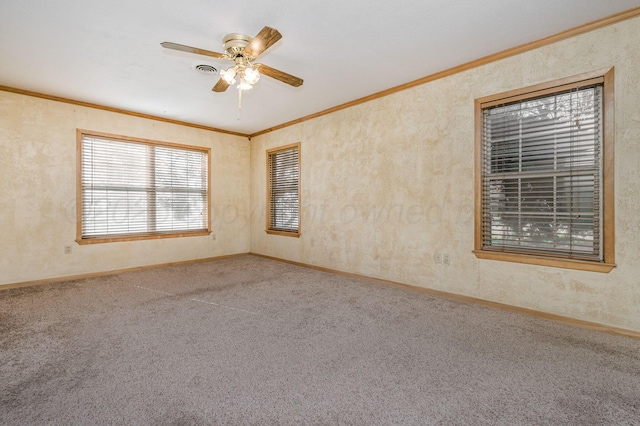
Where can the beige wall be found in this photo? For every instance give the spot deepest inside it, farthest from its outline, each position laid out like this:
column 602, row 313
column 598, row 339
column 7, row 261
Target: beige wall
column 38, row 184
column 388, row 183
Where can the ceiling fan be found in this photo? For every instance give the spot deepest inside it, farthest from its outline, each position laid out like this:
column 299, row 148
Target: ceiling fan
column 242, row 50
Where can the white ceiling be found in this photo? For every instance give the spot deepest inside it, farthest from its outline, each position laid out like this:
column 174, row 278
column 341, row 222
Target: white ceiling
column 109, row 53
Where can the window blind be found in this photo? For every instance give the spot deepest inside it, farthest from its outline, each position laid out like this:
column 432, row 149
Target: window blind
column 136, row 189
column 283, row 177
column 542, row 175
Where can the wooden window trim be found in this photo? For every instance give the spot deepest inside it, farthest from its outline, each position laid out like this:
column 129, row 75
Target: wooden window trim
column 160, row 235
column 608, row 213
column 268, row 203
column 284, row 234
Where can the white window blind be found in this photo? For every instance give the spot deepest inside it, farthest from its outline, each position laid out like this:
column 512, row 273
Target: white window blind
column 542, row 175
column 283, row 181
column 132, row 189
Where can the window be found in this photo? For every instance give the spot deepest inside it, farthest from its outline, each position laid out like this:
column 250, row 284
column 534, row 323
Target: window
column 134, row 189
column 283, row 193
column 544, row 174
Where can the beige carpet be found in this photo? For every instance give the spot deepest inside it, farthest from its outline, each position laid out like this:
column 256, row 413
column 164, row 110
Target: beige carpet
column 249, row 340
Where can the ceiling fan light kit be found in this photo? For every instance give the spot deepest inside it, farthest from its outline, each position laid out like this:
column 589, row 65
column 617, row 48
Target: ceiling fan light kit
column 242, row 50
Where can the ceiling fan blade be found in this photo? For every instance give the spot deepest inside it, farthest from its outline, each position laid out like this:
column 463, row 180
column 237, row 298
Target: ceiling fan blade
column 266, row 38
column 279, row 75
column 220, row 86
column 183, row 48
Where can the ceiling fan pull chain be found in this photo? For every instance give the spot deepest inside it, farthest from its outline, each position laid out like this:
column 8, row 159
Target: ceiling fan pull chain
column 239, row 98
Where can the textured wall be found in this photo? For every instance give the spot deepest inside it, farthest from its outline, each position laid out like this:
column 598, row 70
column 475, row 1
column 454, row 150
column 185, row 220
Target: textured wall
column 388, row 183
column 38, row 190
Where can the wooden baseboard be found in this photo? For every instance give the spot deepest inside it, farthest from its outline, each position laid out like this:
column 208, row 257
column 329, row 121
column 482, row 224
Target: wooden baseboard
column 472, row 300
column 113, row 272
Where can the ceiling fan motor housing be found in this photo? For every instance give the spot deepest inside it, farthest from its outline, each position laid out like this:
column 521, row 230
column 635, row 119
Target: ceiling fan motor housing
column 235, row 43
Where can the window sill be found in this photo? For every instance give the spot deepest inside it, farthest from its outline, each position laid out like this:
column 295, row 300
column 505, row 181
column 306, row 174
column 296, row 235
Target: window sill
column 581, row 265
column 101, row 240
column 284, row 233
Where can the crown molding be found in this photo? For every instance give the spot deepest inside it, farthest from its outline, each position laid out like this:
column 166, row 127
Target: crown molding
column 582, row 29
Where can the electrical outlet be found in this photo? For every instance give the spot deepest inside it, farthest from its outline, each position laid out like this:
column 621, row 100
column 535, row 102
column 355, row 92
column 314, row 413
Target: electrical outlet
column 67, row 249
column 445, row 258
column 437, row 257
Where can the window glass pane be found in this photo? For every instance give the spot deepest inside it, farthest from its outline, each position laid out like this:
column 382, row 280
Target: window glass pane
column 542, row 174
column 283, row 177
column 551, row 214
column 131, row 188
column 551, row 133
column 175, row 211
column 180, row 200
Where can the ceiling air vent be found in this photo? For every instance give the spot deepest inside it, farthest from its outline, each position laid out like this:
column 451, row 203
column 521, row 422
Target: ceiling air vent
column 204, row 68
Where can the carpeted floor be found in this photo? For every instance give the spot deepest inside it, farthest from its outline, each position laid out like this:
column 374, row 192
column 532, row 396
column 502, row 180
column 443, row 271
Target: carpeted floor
column 248, row 340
